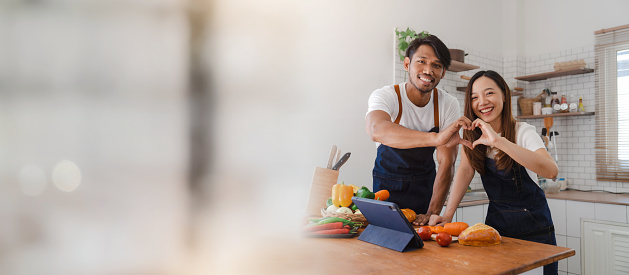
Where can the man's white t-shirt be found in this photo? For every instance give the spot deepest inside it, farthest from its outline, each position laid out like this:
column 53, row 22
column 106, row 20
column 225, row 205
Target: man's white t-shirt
column 527, row 137
column 413, row 117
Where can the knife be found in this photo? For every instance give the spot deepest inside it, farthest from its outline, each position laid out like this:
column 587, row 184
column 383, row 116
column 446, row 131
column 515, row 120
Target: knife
column 338, row 155
column 331, row 158
column 342, row 161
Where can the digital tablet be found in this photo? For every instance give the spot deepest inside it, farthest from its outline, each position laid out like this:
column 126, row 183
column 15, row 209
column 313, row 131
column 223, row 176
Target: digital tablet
column 388, row 227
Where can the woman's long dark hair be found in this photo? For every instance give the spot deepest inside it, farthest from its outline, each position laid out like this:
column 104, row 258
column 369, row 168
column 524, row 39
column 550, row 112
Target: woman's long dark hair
column 479, row 153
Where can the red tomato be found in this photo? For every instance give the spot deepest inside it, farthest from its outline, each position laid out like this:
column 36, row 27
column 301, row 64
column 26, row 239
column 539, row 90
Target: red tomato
column 444, row 239
column 424, row 233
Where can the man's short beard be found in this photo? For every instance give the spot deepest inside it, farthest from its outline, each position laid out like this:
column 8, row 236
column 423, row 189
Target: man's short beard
column 417, row 88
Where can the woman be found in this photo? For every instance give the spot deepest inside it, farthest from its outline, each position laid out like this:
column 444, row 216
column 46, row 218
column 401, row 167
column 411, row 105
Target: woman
column 508, row 163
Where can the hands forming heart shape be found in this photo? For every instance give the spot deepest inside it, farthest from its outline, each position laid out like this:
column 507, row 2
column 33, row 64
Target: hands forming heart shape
column 489, row 136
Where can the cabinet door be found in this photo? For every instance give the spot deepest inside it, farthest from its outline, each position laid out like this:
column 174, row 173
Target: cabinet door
column 558, row 213
column 605, row 247
column 471, row 214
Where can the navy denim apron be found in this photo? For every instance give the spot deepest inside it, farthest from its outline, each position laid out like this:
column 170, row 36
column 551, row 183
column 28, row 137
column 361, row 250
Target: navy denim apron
column 408, row 174
column 518, row 207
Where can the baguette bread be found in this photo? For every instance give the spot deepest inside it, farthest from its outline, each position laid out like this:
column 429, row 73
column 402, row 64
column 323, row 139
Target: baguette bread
column 480, row 235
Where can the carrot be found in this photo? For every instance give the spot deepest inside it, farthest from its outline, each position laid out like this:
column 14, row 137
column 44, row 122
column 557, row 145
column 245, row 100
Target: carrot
column 327, row 226
column 332, row 231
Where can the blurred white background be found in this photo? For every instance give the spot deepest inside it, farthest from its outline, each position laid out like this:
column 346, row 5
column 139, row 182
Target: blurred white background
column 180, row 137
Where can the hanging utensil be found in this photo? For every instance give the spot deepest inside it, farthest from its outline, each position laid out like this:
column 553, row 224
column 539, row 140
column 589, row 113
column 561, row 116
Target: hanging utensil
column 331, row 158
column 548, row 123
column 553, row 137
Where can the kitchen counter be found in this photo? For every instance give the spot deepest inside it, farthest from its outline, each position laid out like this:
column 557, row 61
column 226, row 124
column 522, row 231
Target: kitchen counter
column 511, row 257
column 590, row 196
column 574, row 195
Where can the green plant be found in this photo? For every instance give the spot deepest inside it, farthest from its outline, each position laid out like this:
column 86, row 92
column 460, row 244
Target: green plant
column 404, row 38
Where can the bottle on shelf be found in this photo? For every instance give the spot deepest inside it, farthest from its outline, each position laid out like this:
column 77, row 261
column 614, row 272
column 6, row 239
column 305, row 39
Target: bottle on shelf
column 572, row 103
column 581, row 108
column 564, row 104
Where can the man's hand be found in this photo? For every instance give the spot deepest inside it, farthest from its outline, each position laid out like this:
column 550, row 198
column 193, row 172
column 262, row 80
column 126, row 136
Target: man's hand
column 455, row 139
column 450, row 135
column 422, row 219
column 438, row 220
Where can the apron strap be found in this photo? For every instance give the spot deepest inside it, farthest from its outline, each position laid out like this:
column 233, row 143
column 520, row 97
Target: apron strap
column 435, row 95
column 399, row 101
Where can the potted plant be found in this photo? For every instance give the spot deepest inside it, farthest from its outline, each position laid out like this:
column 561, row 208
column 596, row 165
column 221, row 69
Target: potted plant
column 404, row 38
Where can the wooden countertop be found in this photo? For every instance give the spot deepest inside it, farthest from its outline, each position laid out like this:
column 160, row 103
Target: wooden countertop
column 573, row 195
column 511, row 257
column 590, row 196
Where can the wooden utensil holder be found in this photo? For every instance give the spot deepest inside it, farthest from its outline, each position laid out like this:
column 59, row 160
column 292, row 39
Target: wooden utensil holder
column 320, row 190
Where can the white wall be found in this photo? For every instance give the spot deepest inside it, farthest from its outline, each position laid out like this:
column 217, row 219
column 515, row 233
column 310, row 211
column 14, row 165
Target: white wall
column 552, row 26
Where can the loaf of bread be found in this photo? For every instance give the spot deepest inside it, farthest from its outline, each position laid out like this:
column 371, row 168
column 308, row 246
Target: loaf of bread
column 480, row 235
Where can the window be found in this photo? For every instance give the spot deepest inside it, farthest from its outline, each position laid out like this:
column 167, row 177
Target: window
column 612, row 104
column 622, row 73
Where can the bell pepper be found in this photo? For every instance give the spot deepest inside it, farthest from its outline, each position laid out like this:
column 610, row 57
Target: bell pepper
column 342, row 195
column 364, row 192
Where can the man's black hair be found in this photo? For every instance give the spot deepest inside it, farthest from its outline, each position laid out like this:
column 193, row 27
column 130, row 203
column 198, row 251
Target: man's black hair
column 441, row 50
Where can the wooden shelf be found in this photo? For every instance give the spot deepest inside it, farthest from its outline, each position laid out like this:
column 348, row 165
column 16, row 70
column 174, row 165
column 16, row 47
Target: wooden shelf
column 542, row 76
column 557, row 115
column 457, row 66
column 513, row 93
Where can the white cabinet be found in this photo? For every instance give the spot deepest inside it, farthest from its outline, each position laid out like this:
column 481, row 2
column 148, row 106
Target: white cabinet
column 558, row 213
column 568, row 217
column 574, row 262
column 575, row 211
column 610, row 212
column 471, row 214
column 605, row 247
column 562, row 241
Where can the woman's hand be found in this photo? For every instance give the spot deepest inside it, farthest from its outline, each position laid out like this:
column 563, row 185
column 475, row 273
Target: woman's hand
column 438, row 220
column 489, row 136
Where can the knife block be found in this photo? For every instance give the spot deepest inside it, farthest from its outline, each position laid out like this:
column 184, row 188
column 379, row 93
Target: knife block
column 320, row 190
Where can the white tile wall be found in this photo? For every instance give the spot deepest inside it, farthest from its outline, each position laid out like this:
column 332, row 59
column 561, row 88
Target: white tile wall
column 575, row 210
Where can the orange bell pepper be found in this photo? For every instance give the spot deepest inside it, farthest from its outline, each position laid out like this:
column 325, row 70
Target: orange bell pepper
column 342, row 195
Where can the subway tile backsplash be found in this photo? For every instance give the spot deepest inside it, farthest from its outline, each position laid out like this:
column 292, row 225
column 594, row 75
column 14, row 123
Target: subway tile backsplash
column 576, row 141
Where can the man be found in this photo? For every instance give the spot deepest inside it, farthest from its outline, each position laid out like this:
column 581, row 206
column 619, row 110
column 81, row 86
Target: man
column 407, row 122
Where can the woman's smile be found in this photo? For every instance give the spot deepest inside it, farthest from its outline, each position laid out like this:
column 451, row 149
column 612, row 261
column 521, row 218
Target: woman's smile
column 486, row 111
column 487, row 101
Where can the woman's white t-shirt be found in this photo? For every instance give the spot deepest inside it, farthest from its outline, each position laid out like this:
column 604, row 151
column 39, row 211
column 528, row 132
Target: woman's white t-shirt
column 527, row 137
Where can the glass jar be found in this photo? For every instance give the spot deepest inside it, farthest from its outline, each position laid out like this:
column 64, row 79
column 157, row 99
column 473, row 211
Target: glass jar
column 564, row 104
column 555, row 103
